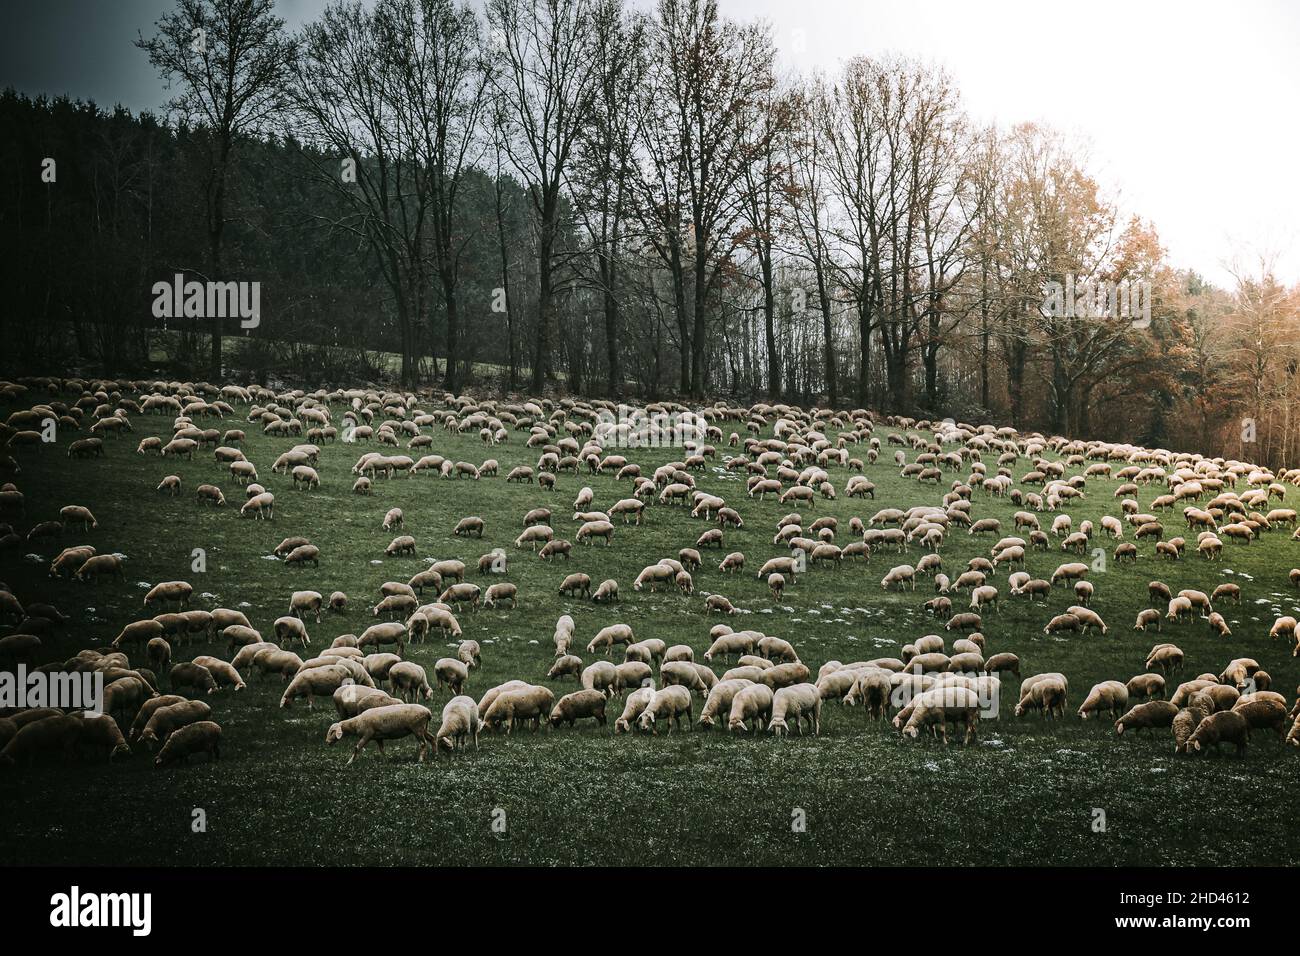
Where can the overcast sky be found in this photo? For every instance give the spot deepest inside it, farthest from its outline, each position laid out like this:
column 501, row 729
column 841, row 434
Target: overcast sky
column 1188, row 110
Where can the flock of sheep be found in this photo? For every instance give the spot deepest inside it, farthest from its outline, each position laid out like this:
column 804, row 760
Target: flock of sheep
column 940, row 683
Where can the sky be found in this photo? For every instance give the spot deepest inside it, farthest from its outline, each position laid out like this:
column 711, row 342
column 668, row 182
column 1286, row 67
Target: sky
column 1186, row 111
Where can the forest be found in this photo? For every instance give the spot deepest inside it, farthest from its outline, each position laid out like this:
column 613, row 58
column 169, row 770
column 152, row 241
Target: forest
column 588, row 197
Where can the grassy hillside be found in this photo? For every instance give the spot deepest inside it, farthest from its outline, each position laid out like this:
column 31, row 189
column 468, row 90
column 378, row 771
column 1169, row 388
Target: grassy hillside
column 1027, row 793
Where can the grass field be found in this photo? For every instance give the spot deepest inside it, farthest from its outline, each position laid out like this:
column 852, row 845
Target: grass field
column 1026, row 794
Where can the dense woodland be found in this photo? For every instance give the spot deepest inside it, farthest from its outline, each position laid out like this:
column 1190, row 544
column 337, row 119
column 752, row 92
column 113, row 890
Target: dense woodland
column 586, row 197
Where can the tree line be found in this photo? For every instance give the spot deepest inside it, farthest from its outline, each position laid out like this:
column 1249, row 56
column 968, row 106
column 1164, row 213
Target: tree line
column 578, row 195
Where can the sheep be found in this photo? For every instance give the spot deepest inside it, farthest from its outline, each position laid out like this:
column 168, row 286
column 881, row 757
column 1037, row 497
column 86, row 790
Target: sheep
column 900, row 575
column 1229, row 726
column 315, row 682
column 1165, row 658
column 796, row 701
column 1155, row 713
column 1063, row 622
column 1185, row 723
column 607, row 637
column 1045, row 692
column 1262, row 712
column 633, row 707
column 303, row 603
column 408, row 681
column 683, row 673
column 167, row 591
column 402, row 544
column 353, row 699
column 1147, row 686
column 783, row 675
column 936, row 708
column 602, row 676
column 582, row 703
column 223, row 673
column 1108, row 695
column 204, row 736
column 147, row 709
column 725, row 645
column 460, row 723
column 470, row 653
column 391, row 722
column 667, row 706
column 192, row 677
column 166, row 720
column 452, row 673
column 872, row 689
column 517, row 705
column 379, row 635
column 606, row 592
column 290, row 628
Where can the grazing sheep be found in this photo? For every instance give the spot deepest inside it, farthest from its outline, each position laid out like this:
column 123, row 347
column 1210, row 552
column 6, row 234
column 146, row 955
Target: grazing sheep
column 203, row 736
column 460, row 723
column 1229, row 726
column 391, row 722
column 667, row 706
column 634, row 706
column 1155, row 713
column 514, row 706
column 796, row 701
column 582, row 703
column 1108, row 695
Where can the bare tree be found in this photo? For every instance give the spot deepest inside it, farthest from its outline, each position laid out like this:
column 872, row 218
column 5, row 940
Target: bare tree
column 547, row 80
column 230, row 59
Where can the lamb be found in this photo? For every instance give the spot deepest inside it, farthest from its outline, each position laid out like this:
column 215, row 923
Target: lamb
column 667, row 706
column 391, row 722
column 1108, row 695
column 1155, row 713
column 796, row 701
column 460, row 723
column 409, row 681
column 635, row 705
column 575, row 706
column 606, row 592
column 203, row 736
column 1229, row 726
